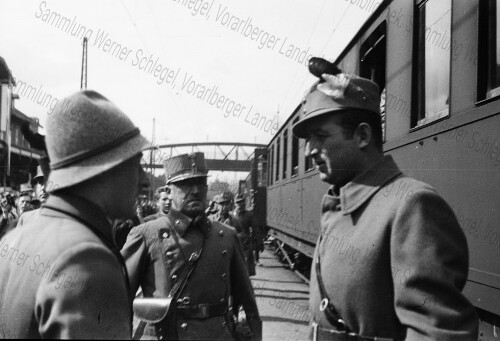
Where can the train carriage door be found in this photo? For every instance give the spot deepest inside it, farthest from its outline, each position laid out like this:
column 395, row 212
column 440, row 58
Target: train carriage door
column 373, row 64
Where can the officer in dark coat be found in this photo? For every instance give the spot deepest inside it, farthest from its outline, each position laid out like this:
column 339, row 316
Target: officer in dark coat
column 62, row 276
column 158, row 253
column 387, row 265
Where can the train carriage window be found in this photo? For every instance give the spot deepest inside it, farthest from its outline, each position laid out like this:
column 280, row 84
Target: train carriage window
column 285, row 153
column 278, row 160
column 373, row 62
column 489, row 49
column 295, row 152
column 433, row 61
column 262, row 170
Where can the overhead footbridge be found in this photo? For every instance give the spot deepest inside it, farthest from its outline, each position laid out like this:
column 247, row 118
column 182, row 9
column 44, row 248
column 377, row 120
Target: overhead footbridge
column 219, row 156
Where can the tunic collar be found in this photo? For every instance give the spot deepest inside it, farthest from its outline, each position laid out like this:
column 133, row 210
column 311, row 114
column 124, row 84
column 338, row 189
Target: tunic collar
column 63, row 204
column 181, row 222
column 356, row 192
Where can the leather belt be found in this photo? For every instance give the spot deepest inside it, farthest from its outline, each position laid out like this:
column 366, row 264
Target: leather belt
column 319, row 334
column 202, row 311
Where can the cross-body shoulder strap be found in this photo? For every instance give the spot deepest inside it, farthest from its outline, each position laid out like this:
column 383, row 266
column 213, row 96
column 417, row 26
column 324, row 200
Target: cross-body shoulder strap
column 188, row 270
column 326, row 305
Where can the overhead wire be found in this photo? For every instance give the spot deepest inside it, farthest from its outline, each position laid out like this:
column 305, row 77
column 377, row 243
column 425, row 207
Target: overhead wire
column 151, row 12
column 302, row 84
column 307, row 44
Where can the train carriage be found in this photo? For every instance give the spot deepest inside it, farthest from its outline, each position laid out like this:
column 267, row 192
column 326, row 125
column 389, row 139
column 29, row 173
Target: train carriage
column 437, row 63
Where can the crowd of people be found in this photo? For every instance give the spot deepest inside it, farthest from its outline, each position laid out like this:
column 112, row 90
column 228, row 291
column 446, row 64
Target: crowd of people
column 14, row 203
column 95, row 259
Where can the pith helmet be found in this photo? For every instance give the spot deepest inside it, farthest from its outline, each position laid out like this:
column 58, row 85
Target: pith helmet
column 338, row 92
column 88, row 135
column 185, row 166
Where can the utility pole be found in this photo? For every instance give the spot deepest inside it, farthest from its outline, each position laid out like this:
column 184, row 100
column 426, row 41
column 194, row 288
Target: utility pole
column 83, row 80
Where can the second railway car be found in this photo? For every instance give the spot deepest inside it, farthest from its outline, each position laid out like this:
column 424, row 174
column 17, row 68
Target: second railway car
column 437, row 63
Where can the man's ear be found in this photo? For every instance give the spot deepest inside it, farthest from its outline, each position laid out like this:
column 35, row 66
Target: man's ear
column 363, row 135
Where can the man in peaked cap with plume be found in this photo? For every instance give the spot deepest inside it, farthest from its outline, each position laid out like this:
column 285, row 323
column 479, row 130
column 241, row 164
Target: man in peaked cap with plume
column 197, row 262
column 62, row 276
column 386, row 266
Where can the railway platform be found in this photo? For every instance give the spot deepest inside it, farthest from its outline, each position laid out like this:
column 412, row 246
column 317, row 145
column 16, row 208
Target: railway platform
column 282, row 298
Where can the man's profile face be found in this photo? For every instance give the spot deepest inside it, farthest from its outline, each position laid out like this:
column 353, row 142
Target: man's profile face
column 130, row 173
column 164, row 202
column 40, row 193
column 336, row 157
column 189, row 196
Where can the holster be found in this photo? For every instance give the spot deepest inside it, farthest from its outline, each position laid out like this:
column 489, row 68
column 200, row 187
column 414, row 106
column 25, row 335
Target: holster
column 159, row 312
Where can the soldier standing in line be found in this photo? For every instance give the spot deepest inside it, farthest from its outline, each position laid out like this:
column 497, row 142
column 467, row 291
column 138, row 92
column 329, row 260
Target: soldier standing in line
column 62, row 276
column 223, row 214
column 246, row 226
column 196, row 262
column 409, row 264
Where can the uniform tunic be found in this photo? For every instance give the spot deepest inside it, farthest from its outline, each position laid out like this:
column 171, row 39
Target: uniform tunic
column 155, row 262
column 244, row 220
column 59, row 280
column 393, row 260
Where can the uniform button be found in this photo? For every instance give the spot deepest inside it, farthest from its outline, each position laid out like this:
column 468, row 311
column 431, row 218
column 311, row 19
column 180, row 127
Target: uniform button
column 174, row 278
column 184, row 326
column 224, row 276
column 194, row 256
column 165, row 235
column 224, row 252
column 221, row 233
column 223, row 324
column 169, row 254
column 222, row 300
column 177, row 222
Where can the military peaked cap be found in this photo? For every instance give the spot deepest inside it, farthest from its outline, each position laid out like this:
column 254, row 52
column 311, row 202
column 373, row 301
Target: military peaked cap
column 185, row 166
column 338, row 92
